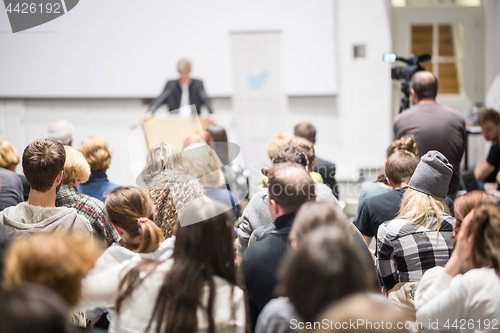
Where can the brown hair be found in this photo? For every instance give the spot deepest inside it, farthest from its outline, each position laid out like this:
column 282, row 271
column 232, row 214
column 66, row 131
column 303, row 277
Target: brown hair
column 278, row 141
column 308, row 148
column 467, row 202
column 202, row 137
column 8, row 155
column 405, row 143
column 171, row 191
column 485, row 226
column 290, row 186
column 97, row 153
column 75, row 167
column 488, row 115
column 425, row 84
column 306, row 131
column 400, row 166
column 131, row 209
column 312, row 215
column 334, row 262
column 371, row 308
column 55, row 260
column 202, row 251
column 43, row 159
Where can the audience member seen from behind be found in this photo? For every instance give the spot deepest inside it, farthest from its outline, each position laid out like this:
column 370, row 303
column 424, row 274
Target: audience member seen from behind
column 174, row 294
column 487, row 168
column 371, row 313
column 171, row 192
column 474, row 295
column 278, row 313
column 434, row 126
column 131, row 212
column 43, row 165
column 98, row 155
column 381, row 185
column 12, row 191
column 33, row 308
column 325, row 168
column 76, row 171
column 202, row 162
column 161, row 156
column 55, row 260
column 326, row 267
column 256, row 215
column 308, row 148
column 467, row 202
column 399, row 168
column 235, row 172
column 421, row 236
column 261, row 260
column 62, row 131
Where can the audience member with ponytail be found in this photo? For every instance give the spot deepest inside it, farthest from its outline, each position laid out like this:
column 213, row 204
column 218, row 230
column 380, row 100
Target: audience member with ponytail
column 471, row 298
column 131, row 211
column 195, row 290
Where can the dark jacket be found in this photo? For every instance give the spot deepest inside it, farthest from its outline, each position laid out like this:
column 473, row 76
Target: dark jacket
column 260, row 265
column 171, row 96
column 327, row 171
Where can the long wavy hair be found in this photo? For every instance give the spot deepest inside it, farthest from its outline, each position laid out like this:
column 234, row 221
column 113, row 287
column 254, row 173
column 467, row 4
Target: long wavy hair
column 420, row 208
column 161, row 156
column 171, row 191
column 202, row 251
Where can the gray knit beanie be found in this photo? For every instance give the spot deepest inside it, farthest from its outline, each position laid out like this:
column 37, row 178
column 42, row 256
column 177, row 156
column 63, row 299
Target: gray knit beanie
column 432, row 175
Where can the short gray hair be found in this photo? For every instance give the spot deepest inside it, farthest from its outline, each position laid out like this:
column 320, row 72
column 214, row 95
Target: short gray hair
column 62, row 131
column 184, row 63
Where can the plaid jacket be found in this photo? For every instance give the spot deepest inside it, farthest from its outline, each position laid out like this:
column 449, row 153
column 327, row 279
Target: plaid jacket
column 406, row 251
column 93, row 209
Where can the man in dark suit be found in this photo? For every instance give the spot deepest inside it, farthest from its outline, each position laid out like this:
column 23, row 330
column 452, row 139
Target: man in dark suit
column 182, row 92
column 325, row 168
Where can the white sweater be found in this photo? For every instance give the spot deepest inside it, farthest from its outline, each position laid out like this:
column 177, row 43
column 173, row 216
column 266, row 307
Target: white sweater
column 137, row 310
column 100, row 287
column 472, row 299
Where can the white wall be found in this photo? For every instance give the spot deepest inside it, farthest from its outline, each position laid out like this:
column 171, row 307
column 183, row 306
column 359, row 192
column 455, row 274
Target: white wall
column 492, row 53
column 128, row 48
column 353, row 129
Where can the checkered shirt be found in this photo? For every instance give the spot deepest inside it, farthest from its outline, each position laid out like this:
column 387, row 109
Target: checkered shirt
column 406, row 251
column 93, row 209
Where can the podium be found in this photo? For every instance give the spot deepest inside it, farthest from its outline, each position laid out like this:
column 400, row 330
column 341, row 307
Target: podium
column 172, row 129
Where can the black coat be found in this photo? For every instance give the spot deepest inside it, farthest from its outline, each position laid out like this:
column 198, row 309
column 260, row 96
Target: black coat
column 172, row 93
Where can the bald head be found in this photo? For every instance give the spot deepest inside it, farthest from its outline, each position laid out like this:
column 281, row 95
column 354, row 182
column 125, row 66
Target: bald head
column 425, row 86
column 290, row 186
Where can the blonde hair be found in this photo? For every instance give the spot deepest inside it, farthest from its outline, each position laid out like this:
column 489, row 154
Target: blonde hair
column 278, row 141
column 308, row 148
column 419, row 208
column 75, row 167
column 55, row 260
column 161, row 156
column 202, row 162
column 97, row 153
column 8, row 155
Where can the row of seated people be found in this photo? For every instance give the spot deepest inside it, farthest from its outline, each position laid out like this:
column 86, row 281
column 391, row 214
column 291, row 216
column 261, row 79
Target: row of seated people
column 172, row 264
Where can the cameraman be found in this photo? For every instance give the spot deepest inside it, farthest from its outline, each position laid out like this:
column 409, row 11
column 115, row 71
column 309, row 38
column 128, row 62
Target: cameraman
column 434, row 126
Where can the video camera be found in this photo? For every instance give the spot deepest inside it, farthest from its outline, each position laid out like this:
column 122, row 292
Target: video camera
column 405, row 73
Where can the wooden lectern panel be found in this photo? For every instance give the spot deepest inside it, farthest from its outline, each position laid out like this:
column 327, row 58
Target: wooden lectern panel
column 172, row 129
